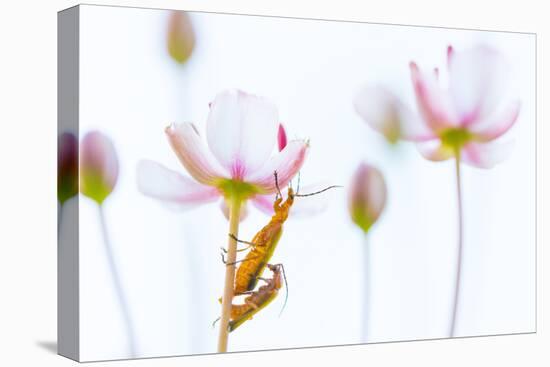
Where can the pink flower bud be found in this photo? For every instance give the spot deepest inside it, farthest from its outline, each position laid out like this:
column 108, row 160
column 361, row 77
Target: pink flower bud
column 98, row 166
column 67, row 167
column 181, row 37
column 367, row 196
column 281, row 137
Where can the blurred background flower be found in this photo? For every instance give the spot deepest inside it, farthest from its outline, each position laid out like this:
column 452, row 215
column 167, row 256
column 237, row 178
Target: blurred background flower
column 98, row 177
column 367, row 196
column 465, row 119
column 461, row 119
column 98, row 166
column 472, row 112
column 366, row 202
column 180, row 40
column 383, row 111
column 67, row 167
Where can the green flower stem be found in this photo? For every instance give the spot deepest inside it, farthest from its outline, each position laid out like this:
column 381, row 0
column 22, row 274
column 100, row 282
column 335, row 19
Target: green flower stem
column 459, row 248
column 123, row 303
column 59, row 217
column 227, row 300
column 366, row 264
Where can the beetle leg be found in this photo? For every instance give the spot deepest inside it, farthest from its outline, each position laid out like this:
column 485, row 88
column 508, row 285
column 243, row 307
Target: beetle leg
column 238, row 250
column 251, row 304
column 235, row 262
column 241, row 241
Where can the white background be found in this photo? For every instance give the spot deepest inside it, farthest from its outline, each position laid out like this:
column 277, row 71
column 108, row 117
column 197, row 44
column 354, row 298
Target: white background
column 28, row 157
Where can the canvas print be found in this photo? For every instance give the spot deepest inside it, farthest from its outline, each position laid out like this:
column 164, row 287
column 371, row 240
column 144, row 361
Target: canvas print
column 232, row 183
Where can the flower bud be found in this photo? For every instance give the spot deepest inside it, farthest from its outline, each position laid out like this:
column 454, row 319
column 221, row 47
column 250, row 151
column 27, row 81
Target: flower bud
column 98, row 166
column 281, row 137
column 67, row 167
column 367, row 196
column 181, row 37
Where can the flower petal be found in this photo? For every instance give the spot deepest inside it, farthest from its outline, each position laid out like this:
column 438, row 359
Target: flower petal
column 486, row 155
column 286, row 163
column 225, row 210
column 161, row 183
column 303, row 206
column 387, row 114
column 433, row 102
column 264, row 203
column 281, row 138
column 192, row 153
column 477, row 82
column 498, row 124
column 435, row 151
column 242, row 131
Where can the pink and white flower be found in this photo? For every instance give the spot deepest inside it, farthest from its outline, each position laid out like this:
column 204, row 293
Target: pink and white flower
column 241, row 132
column 462, row 118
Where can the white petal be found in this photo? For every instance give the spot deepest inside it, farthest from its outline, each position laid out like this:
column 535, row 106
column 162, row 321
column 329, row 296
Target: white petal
column 498, row 123
column 241, row 131
column 477, row 82
column 486, row 155
column 264, row 203
column 286, row 163
column 192, row 153
column 161, row 183
column 387, row 114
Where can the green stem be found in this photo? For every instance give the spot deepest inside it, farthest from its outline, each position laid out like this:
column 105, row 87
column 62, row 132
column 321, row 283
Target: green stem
column 366, row 288
column 117, row 282
column 459, row 249
column 227, row 300
column 59, row 217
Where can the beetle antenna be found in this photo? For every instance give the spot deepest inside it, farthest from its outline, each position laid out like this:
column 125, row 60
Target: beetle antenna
column 286, row 289
column 320, row 191
column 215, row 321
column 277, row 184
column 298, row 186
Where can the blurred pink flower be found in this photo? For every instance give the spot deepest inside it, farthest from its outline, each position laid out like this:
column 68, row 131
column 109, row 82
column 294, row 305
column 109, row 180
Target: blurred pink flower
column 241, row 132
column 98, row 166
column 180, row 40
column 67, row 166
column 366, row 196
column 462, row 119
column 386, row 113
